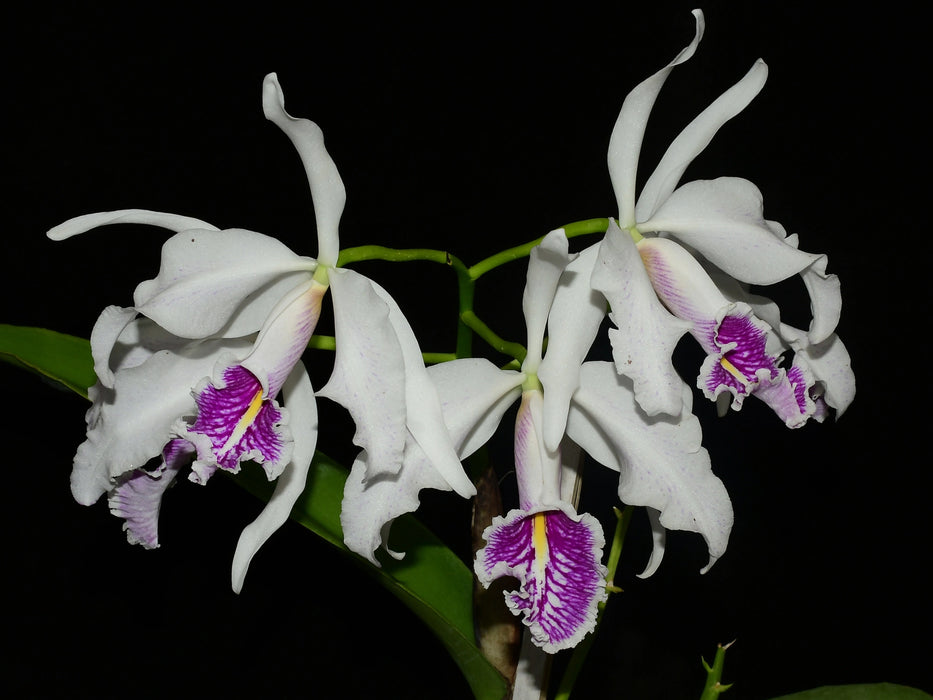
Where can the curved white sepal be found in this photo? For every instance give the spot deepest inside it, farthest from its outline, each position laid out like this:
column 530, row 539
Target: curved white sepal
column 694, row 138
column 723, row 220
column 629, row 130
column 213, row 281
column 474, row 394
column 545, row 265
column 327, row 189
column 658, row 543
column 660, row 460
column 368, row 378
column 423, row 414
column 83, row 224
column 573, row 322
column 299, row 398
column 828, row 362
column 107, row 329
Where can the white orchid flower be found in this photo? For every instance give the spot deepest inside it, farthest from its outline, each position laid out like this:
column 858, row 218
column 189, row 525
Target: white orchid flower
column 190, row 373
column 552, row 550
column 652, row 269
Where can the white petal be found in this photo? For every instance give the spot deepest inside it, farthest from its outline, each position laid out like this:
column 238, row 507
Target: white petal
column 474, row 394
column 658, row 543
column 424, row 418
column 722, row 219
column 646, row 332
column 538, row 469
column 299, row 398
column 211, row 281
column 629, row 130
column 82, row 224
column 368, row 378
column 825, row 300
column 661, row 461
column 107, row 329
column 134, row 420
column 369, row 506
column 327, row 189
column 829, row 363
column 285, row 335
column 573, row 322
column 695, row 137
column 545, row 265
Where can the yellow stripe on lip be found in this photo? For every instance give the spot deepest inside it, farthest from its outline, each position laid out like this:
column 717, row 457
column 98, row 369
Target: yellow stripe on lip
column 540, row 544
column 733, row 370
column 243, row 424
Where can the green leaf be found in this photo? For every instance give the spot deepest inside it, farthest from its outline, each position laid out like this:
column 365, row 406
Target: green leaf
column 431, row 580
column 871, row 691
column 62, row 358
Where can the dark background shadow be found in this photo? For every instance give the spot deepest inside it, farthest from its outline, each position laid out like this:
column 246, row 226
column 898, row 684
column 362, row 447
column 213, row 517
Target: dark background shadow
column 475, row 130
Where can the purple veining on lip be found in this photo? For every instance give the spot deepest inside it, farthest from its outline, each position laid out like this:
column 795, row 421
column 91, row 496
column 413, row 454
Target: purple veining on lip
column 747, row 354
column 744, row 339
column 224, row 410
column 137, row 496
column 560, row 584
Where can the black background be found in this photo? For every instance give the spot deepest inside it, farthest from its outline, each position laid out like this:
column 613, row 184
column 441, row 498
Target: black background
column 472, row 129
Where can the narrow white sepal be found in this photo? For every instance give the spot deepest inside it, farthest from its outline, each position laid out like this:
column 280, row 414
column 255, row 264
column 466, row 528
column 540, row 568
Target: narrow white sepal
column 573, row 322
column 83, row 224
column 299, row 398
column 629, row 130
column 545, row 265
column 327, row 189
column 695, row 137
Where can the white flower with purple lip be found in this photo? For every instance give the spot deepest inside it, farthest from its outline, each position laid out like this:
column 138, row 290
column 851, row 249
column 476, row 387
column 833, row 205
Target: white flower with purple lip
column 689, row 247
column 190, row 373
column 553, row 551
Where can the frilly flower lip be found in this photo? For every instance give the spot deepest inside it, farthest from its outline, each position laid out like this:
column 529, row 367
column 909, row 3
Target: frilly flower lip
column 720, row 224
column 552, row 550
column 190, row 374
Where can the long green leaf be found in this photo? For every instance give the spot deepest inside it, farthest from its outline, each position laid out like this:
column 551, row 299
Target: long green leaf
column 62, row 358
column 431, row 580
column 870, row 691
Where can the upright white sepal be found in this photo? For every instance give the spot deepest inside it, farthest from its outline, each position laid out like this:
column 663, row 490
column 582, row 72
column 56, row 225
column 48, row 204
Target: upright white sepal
column 327, row 190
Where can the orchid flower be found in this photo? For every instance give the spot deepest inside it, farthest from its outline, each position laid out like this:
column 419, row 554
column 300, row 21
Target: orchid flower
column 552, row 550
column 681, row 252
column 191, row 372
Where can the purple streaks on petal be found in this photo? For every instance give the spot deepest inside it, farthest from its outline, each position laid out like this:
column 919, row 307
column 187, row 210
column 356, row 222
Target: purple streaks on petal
column 137, row 496
column 559, row 571
column 748, row 354
column 238, row 422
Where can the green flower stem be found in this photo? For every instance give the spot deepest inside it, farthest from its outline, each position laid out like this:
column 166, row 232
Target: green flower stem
column 578, row 658
column 322, row 342
column 714, row 686
column 516, row 350
column 468, row 323
column 578, row 228
column 328, row 342
column 464, row 282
